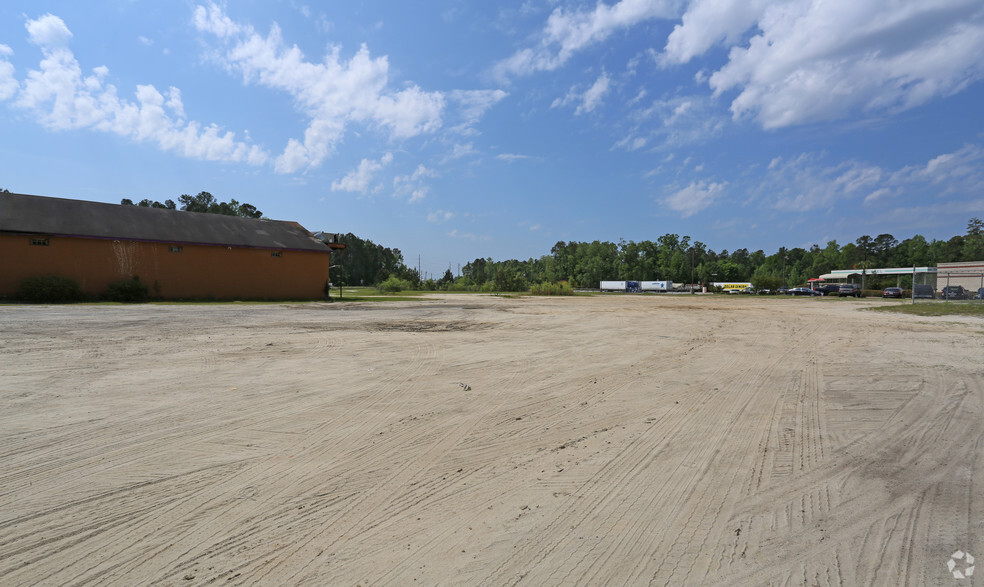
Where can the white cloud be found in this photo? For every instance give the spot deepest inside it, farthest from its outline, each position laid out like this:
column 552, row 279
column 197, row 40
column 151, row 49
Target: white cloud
column 804, row 183
column 439, row 216
column 567, row 32
column 587, row 100
column 61, row 97
column 359, row 179
column 8, row 83
column 592, row 98
column 458, row 151
column 694, row 198
column 709, row 22
column 631, row 143
column 49, row 32
column 960, row 172
column 510, row 157
column 333, row 93
column 412, row 186
column 816, row 61
column 680, row 120
column 473, row 104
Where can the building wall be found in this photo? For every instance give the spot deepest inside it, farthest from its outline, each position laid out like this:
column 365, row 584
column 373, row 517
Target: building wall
column 197, row 271
column 969, row 274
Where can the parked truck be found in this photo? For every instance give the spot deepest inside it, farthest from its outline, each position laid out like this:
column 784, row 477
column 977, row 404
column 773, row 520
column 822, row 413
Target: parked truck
column 632, row 286
column 655, row 285
column 619, row 286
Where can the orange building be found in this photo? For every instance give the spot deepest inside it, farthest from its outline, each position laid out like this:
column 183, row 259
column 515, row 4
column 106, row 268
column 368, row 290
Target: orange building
column 178, row 255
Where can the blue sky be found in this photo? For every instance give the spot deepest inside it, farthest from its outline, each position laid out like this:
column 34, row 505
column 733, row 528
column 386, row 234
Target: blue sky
column 454, row 130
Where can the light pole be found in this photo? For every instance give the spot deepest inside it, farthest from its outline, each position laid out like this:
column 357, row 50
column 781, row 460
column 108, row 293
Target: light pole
column 339, row 283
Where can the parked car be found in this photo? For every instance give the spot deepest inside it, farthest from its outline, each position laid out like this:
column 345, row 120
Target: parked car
column 828, row 289
column 980, row 294
column 923, row 291
column 849, row 289
column 802, row 291
column 892, row 292
column 783, row 290
column 953, row 292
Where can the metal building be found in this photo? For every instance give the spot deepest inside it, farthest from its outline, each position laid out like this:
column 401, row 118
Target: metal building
column 969, row 274
column 179, row 255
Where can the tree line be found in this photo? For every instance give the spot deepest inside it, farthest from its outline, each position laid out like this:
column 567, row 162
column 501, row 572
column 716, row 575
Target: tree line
column 200, row 202
column 671, row 257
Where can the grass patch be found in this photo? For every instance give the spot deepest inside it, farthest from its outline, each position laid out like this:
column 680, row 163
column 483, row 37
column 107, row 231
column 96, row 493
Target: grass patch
column 936, row 309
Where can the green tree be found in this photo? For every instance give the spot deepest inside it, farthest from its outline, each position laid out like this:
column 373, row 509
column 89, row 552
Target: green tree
column 973, row 249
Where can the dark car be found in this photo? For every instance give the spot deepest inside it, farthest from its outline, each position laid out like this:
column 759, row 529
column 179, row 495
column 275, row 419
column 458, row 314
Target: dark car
column 849, row 289
column 923, row 291
column 802, row 291
column 980, row 294
column 953, row 292
column 828, row 289
column 892, row 292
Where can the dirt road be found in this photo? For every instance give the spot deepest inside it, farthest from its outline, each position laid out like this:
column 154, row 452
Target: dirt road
column 480, row 440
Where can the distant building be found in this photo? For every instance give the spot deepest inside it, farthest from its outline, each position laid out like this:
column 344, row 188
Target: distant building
column 969, row 274
column 179, row 255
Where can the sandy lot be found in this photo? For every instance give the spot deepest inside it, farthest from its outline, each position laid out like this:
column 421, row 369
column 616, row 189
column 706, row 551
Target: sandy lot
column 481, row 440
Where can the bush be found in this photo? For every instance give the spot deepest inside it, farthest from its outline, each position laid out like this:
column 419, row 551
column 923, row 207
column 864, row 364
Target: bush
column 50, row 289
column 561, row 288
column 393, row 284
column 128, row 290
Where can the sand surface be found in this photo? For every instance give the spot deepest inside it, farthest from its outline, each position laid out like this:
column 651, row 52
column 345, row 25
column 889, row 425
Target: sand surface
column 478, row 440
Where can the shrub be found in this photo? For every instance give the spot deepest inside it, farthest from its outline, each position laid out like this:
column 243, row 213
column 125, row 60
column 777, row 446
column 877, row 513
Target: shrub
column 50, row 289
column 393, row 284
column 561, row 288
column 128, row 290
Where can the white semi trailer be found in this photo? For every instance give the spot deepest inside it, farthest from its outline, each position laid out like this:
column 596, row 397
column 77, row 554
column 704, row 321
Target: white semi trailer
column 655, row 285
column 636, row 285
column 619, row 286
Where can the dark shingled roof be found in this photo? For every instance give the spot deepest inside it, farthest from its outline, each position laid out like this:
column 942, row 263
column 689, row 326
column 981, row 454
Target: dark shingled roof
column 78, row 218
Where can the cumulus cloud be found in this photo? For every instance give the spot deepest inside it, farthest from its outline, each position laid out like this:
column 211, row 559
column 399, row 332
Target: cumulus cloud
column 61, row 97
column 49, row 32
column 333, row 92
column 694, row 198
column 570, row 31
column 360, row 178
column 817, row 61
column 790, row 62
column 8, row 83
column 709, row 22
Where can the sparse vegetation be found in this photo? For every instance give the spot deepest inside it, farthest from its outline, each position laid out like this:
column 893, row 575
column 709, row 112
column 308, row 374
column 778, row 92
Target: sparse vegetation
column 936, row 309
column 560, row 288
column 394, row 284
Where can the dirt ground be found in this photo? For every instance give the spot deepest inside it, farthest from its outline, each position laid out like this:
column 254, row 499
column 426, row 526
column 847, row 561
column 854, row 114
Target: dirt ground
column 466, row 439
